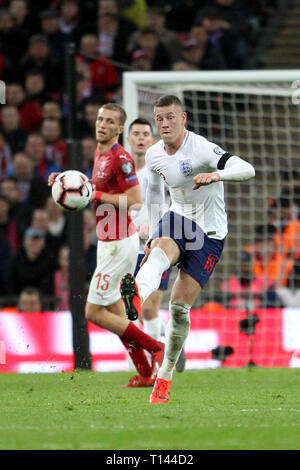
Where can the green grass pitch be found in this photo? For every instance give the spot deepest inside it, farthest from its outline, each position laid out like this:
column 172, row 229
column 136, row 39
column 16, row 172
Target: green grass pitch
column 237, row 409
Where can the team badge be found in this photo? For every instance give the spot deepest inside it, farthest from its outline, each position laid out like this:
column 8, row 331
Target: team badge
column 186, row 167
column 127, row 168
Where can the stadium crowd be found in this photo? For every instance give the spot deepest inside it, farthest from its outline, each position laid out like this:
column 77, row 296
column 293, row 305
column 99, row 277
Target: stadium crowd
column 110, row 36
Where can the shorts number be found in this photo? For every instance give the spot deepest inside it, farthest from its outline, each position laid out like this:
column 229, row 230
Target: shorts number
column 102, row 283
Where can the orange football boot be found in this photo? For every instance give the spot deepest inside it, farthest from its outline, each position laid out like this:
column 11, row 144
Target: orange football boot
column 161, row 391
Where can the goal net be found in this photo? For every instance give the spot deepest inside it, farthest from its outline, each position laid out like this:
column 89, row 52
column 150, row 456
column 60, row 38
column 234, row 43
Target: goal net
column 255, row 115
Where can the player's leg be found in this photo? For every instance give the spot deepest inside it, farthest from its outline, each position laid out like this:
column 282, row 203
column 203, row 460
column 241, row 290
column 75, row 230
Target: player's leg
column 164, row 252
column 105, row 307
column 150, row 316
column 113, row 318
column 183, row 295
column 196, row 266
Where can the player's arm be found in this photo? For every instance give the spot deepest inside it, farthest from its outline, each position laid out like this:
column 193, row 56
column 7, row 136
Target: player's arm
column 130, row 199
column 228, row 168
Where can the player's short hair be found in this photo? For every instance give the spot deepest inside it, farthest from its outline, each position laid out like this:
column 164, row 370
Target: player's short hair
column 141, row 121
column 168, row 100
column 116, row 107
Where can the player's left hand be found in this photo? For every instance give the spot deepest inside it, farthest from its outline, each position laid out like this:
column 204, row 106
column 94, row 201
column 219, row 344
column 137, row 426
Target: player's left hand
column 203, row 179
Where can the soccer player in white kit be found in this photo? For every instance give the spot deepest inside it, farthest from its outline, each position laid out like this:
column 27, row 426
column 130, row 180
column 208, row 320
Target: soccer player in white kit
column 192, row 234
column 140, row 138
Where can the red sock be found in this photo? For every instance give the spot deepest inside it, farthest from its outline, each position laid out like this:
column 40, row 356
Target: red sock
column 139, row 358
column 133, row 333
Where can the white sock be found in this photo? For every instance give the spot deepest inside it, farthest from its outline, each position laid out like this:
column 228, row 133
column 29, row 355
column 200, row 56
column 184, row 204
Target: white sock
column 152, row 327
column 149, row 276
column 176, row 333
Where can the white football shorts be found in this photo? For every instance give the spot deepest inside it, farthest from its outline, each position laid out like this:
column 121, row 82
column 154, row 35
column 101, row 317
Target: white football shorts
column 114, row 259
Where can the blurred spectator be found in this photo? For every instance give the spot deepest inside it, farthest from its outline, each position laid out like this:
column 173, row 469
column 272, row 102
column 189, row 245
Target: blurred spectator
column 85, row 89
column 35, row 148
column 223, row 40
column 6, row 67
column 35, row 89
column 235, row 18
column 50, row 26
column 19, row 211
column 104, row 75
column 9, row 228
column 87, row 122
column 40, row 57
column 149, row 45
column 5, row 156
column 30, row 301
column 113, row 31
column 13, row 39
column 88, row 150
column 247, row 291
column 155, row 19
column 30, row 112
column 61, row 280
column 41, row 220
column 32, row 266
column 202, row 54
column 57, row 225
column 70, row 25
column 269, row 263
column 140, row 60
column 23, row 20
column 56, row 147
column 13, row 134
column 5, row 262
column 32, row 188
column 51, row 109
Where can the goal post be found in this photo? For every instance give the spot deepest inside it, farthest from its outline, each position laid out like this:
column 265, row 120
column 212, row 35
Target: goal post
column 176, row 80
column 254, row 114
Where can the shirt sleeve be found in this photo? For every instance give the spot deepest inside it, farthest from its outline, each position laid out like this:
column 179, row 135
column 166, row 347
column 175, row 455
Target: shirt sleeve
column 210, row 153
column 229, row 167
column 125, row 173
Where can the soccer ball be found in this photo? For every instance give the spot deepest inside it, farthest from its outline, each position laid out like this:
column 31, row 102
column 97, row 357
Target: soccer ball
column 72, row 190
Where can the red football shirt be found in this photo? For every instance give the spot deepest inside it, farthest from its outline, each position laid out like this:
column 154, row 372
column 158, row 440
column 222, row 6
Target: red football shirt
column 113, row 173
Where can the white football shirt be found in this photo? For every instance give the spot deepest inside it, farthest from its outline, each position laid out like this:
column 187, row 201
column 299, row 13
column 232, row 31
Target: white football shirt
column 206, row 205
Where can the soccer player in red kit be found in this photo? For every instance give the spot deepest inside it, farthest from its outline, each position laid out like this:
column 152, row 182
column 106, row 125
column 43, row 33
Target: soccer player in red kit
column 116, row 190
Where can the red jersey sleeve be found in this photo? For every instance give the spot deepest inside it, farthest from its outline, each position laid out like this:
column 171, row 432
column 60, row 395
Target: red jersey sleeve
column 125, row 174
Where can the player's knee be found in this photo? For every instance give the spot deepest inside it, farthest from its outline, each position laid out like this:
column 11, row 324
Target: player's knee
column 149, row 313
column 91, row 313
column 180, row 315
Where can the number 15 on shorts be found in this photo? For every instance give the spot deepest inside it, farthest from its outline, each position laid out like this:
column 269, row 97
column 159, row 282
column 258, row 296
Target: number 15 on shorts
column 102, row 281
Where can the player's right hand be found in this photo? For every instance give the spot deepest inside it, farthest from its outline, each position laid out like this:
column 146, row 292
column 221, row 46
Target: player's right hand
column 147, row 250
column 51, row 178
